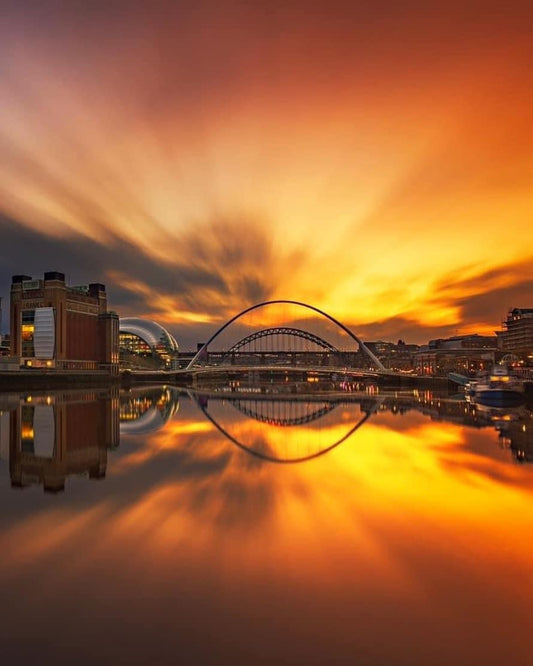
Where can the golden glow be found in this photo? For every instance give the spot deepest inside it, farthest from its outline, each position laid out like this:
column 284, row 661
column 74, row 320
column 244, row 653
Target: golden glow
column 171, row 437
column 27, row 331
column 26, row 431
column 374, row 179
column 398, row 473
column 427, row 517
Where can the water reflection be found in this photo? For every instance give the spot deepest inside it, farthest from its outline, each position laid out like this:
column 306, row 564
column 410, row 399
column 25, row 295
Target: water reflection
column 515, row 429
column 272, row 442
column 55, row 436
column 143, row 410
column 49, row 437
column 263, row 423
column 406, row 544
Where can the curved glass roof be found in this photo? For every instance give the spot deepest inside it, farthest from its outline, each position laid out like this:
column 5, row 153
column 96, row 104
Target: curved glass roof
column 150, row 331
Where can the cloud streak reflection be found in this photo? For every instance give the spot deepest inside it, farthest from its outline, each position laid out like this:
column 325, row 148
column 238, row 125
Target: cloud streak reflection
column 186, row 524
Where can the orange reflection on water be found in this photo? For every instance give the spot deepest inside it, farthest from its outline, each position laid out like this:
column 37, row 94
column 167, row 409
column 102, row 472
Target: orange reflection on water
column 166, row 439
column 411, row 519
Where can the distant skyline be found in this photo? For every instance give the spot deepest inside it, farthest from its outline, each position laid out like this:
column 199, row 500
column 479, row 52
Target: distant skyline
column 373, row 160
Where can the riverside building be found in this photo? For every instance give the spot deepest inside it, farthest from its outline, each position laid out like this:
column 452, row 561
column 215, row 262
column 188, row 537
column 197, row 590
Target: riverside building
column 145, row 343
column 64, row 327
column 517, row 334
column 465, row 354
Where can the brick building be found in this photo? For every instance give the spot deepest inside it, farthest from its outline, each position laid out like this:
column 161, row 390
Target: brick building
column 55, row 325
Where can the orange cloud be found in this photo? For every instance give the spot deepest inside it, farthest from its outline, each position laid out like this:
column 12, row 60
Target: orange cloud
column 344, row 154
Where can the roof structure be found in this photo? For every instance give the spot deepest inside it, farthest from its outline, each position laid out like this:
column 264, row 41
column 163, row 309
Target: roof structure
column 151, row 332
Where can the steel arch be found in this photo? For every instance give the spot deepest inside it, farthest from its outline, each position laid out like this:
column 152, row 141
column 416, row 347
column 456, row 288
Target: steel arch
column 367, row 351
column 283, row 330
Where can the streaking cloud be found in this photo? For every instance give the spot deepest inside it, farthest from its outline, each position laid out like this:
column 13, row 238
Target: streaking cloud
column 355, row 158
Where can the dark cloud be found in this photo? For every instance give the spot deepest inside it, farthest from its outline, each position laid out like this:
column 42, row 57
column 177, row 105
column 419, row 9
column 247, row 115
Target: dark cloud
column 221, row 265
column 239, row 250
column 493, row 305
column 224, row 266
column 189, row 335
column 492, row 301
column 403, row 328
column 26, row 251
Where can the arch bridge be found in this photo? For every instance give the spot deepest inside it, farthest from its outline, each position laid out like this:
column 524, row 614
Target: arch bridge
column 282, row 331
column 251, row 343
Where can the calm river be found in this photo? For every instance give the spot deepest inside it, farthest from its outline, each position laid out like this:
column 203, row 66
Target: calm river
column 159, row 527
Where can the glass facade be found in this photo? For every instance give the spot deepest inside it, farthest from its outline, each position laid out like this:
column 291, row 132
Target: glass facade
column 28, row 333
column 134, row 344
column 147, row 339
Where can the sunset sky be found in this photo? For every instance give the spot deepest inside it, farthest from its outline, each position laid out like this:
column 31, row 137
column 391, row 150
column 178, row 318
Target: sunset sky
column 372, row 159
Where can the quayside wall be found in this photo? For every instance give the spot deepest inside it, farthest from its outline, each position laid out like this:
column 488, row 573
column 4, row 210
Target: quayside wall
column 30, row 380
column 41, row 379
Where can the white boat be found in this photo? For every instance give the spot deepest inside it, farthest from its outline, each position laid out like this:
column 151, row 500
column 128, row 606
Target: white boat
column 499, row 388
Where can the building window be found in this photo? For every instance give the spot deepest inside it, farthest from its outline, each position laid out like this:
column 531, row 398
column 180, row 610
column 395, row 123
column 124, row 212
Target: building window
column 27, row 333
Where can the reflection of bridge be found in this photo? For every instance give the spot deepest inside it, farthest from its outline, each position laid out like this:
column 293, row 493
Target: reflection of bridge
column 279, row 412
column 282, row 413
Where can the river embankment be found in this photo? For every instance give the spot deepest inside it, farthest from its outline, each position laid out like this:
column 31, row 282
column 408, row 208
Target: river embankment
column 28, row 380
column 34, row 380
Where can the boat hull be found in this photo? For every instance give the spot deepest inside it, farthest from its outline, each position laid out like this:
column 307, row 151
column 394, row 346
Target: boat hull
column 499, row 397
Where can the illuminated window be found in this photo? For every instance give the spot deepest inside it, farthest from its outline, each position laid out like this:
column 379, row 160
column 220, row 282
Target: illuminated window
column 27, row 332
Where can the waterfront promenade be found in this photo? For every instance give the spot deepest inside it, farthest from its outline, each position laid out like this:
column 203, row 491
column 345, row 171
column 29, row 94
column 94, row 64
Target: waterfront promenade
column 314, row 378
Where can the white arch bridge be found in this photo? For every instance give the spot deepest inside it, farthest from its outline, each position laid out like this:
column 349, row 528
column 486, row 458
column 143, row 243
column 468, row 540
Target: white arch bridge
column 311, row 338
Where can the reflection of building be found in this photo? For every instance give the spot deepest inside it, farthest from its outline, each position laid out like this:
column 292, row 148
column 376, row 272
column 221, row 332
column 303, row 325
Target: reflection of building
column 514, row 424
column 146, row 343
column 518, row 436
column 517, row 336
column 52, row 437
column 53, row 325
column 147, row 410
column 4, row 435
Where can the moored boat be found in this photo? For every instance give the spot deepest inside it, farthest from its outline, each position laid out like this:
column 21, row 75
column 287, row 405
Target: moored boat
column 499, row 388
